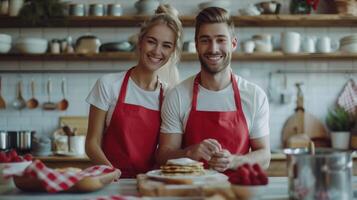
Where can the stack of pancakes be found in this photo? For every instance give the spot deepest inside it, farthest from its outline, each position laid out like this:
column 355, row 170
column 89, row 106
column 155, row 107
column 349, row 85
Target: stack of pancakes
column 182, row 166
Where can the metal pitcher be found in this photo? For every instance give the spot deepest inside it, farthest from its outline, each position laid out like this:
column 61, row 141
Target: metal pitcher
column 325, row 175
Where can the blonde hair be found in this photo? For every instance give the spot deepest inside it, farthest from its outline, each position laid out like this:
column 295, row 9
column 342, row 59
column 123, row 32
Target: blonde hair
column 168, row 15
column 213, row 15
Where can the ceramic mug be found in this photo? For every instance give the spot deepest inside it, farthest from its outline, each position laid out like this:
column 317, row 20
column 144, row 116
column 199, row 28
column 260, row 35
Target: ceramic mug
column 324, row 45
column 308, row 45
column 290, row 42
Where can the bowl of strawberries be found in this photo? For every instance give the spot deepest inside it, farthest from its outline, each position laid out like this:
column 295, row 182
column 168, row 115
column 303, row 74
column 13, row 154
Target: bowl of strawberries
column 249, row 181
column 11, row 163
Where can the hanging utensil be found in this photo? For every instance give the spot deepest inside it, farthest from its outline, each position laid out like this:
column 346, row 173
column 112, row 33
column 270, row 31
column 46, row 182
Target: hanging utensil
column 33, row 102
column 19, row 102
column 63, row 104
column 2, row 101
column 49, row 105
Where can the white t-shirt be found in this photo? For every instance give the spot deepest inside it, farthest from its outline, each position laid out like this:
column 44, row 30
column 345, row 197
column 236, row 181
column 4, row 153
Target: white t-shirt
column 105, row 93
column 177, row 106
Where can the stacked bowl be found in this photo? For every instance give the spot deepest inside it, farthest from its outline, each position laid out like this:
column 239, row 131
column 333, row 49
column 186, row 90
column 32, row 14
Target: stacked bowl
column 348, row 44
column 5, row 43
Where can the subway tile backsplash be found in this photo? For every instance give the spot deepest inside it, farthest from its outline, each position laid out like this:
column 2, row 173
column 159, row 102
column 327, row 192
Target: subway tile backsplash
column 320, row 90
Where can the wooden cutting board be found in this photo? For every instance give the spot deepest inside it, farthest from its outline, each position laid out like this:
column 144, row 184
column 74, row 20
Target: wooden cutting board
column 156, row 188
column 303, row 126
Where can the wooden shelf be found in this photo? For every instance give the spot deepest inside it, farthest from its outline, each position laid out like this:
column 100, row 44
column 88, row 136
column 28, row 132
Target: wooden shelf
column 127, row 56
column 321, row 20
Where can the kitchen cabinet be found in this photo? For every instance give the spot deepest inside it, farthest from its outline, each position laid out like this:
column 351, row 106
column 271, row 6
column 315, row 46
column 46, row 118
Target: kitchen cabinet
column 277, row 166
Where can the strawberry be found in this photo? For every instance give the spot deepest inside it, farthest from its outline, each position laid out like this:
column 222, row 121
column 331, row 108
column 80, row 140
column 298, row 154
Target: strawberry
column 3, row 157
column 257, row 168
column 256, row 181
column 28, row 157
column 17, row 159
column 246, row 180
column 12, row 154
column 263, row 179
column 243, row 172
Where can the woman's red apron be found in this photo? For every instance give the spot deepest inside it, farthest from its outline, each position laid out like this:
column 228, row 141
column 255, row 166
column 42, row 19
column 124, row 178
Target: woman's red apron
column 130, row 141
column 228, row 128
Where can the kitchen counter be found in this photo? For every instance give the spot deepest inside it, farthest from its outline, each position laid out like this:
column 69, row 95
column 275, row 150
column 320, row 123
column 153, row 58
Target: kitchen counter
column 277, row 190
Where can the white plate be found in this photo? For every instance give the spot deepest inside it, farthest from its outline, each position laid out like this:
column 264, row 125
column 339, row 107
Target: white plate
column 208, row 174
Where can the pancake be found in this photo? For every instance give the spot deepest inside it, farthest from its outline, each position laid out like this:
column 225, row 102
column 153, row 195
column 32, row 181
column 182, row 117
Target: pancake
column 182, row 166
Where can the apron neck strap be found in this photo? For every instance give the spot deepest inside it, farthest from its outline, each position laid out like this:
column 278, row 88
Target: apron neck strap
column 195, row 91
column 124, row 86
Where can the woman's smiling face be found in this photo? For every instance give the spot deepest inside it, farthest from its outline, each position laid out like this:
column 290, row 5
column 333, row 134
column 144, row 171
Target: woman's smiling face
column 156, row 47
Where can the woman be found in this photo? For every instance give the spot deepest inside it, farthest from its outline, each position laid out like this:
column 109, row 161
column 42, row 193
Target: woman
column 124, row 117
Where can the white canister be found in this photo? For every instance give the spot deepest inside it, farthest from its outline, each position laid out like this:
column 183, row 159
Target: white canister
column 15, row 7
column 4, row 7
column 77, row 144
column 248, row 46
column 290, row 42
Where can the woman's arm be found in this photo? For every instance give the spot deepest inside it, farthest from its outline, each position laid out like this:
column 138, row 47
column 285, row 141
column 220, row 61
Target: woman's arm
column 94, row 136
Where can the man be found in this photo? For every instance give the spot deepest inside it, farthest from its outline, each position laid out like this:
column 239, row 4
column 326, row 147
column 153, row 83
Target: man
column 215, row 116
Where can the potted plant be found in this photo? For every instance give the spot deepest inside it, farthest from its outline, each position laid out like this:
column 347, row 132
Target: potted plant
column 40, row 12
column 339, row 123
column 303, row 6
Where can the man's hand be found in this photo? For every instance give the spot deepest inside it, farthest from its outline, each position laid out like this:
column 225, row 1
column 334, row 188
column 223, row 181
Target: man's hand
column 221, row 161
column 203, row 150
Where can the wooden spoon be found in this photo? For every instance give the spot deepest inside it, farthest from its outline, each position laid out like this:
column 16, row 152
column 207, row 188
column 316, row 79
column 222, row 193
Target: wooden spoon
column 33, row 102
column 63, row 104
column 2, row 101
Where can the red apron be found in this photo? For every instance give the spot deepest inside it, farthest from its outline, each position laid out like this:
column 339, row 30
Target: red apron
column 228, row 128
column 130, row 141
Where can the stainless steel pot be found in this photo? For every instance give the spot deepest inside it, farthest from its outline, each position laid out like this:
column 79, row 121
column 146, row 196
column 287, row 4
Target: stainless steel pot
column 4, row 140
column 24, row 140
column 325, row 175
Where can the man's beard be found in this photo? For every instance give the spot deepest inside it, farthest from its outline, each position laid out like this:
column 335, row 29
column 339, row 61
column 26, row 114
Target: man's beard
column 213, row 71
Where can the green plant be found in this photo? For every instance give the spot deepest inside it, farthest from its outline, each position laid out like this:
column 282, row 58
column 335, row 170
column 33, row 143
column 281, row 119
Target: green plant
column 41, row 12
column 338, row 119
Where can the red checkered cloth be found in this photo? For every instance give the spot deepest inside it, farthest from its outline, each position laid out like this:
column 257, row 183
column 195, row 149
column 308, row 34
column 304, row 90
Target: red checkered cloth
column 55, row 181
column 348, row 97
column 117, row 197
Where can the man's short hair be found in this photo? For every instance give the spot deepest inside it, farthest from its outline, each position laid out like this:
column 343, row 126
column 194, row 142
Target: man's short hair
column 213, row 15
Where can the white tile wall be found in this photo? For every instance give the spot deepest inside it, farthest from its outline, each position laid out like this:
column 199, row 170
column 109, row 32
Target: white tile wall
column 320, row 90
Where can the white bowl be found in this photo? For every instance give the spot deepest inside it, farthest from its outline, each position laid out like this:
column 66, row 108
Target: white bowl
column 349, row 48
column 225, row 4
column 31, row 45
column 5, row 47
column 249, row 191
column 5, row 38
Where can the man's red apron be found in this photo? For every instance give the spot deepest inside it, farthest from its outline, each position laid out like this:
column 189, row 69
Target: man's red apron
column 130, row 141
column 228, row 128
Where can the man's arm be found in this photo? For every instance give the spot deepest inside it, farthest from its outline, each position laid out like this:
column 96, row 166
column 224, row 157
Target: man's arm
column 260, row 153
